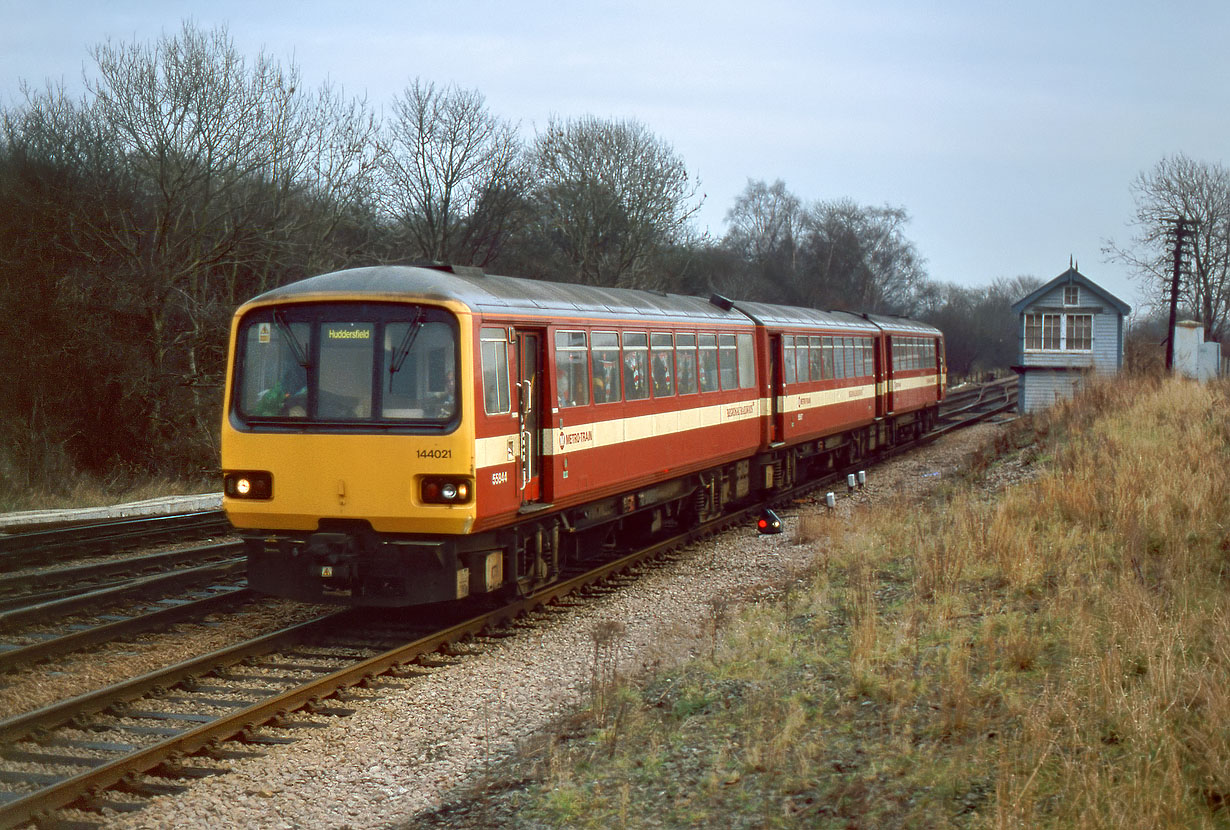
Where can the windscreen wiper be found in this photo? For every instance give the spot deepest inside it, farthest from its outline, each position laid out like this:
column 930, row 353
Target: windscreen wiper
column 296, row 347
column 407, row 342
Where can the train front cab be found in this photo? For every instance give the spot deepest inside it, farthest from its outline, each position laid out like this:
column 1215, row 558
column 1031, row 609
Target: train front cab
column 348, row 450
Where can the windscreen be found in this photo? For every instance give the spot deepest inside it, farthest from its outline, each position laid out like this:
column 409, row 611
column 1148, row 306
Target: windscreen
column 347, row 364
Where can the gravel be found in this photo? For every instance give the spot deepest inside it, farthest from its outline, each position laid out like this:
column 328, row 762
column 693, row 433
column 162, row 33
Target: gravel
column 413, row 741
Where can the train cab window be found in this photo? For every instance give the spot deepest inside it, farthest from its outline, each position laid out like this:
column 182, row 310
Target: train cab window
column 420, row 369
column 800, row 359
column 345, row 377
column 662, row 364
column 571, row 369
column 685, row 363
column 604, row 365
column 708, row 363
column 788, row 358
column 275, row 375
column 494, row 347
column 728, row 367
column 636, row 366
column 747, row 361
column 347, row 365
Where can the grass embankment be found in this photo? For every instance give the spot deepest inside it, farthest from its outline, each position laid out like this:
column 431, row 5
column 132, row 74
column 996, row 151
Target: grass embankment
column 1054, row 654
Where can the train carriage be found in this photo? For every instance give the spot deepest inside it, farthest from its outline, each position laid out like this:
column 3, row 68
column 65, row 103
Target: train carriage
column 402, row 435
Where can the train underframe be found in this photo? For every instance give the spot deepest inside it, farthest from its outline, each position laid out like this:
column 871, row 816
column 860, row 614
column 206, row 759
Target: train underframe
column 348, row 563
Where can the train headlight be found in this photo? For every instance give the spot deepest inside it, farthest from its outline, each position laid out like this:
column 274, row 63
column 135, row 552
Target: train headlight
column 443, row 490
column 248, row 484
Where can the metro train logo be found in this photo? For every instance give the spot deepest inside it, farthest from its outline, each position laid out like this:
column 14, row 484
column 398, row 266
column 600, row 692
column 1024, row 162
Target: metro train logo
column 580, row 436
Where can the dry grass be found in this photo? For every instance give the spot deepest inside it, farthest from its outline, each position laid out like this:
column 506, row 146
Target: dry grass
column 1053, row 655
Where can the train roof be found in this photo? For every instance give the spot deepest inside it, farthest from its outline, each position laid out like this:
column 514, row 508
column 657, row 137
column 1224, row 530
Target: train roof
column 494, row 294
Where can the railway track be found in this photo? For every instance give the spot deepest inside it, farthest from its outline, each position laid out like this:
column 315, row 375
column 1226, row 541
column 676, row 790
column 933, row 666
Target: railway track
column 109, row 748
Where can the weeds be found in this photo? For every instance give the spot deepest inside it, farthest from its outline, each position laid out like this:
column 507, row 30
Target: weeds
column 1057, row 655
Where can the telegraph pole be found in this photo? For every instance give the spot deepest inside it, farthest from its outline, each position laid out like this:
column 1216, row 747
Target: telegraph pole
column 1182, row 229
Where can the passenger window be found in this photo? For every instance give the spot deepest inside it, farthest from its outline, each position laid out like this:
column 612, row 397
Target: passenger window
column 605, row 366
column 816, row 359
column 662, row 368
column 685, row 357
column 788, row 358
column 848, row 345
column 727, row 361
column 800, row 359
column 636, row 366
column 571, row 369
column 708, row 363
column 747, row 362
column 494, row 347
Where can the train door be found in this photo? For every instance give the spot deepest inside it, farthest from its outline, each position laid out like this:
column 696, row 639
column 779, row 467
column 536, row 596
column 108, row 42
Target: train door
column 776, row 390
column 890, row 373
column 529, row 410
column 881, row 369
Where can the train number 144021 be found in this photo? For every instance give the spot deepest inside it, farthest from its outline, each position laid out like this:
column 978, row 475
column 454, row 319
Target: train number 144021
column 435, row 453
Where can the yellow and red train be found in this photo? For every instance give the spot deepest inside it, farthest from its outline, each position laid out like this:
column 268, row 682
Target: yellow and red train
column 403, row 435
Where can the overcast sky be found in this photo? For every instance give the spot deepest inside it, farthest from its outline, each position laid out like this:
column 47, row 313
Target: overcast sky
column 1011, row 132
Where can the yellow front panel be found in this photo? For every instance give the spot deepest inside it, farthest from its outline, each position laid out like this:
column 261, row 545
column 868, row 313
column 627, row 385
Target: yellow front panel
column 332, row 476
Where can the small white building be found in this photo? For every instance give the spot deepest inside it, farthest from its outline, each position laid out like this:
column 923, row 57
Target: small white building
column 1194, row 358
column 1070, row 328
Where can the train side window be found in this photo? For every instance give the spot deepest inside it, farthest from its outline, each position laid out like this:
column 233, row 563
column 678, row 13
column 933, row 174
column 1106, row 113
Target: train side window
column 869, row 362
column 747, row 361
column 817, row 358
column 788, row 357
column 685, row 363
column 848, row 344
column 636, row 366
column 800, row 359
column 494, row 347
column 727, row 361
column 604, row 364
column 571, row 368
column 708, row 363
column 662, row 364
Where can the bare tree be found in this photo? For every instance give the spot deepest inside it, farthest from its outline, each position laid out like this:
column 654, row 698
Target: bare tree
column 859, row 258
column 453, row 174
column 611, row 196
column 1181, row 188
column 764, row 222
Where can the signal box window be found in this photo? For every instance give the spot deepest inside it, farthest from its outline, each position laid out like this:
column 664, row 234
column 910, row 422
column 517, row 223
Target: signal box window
column 1079, row 332
column 662, row 364
column 605, row 366
column 496, row 399
column 1071, row 295
column 571, row 368
column 685, row 357
column 636, row 366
